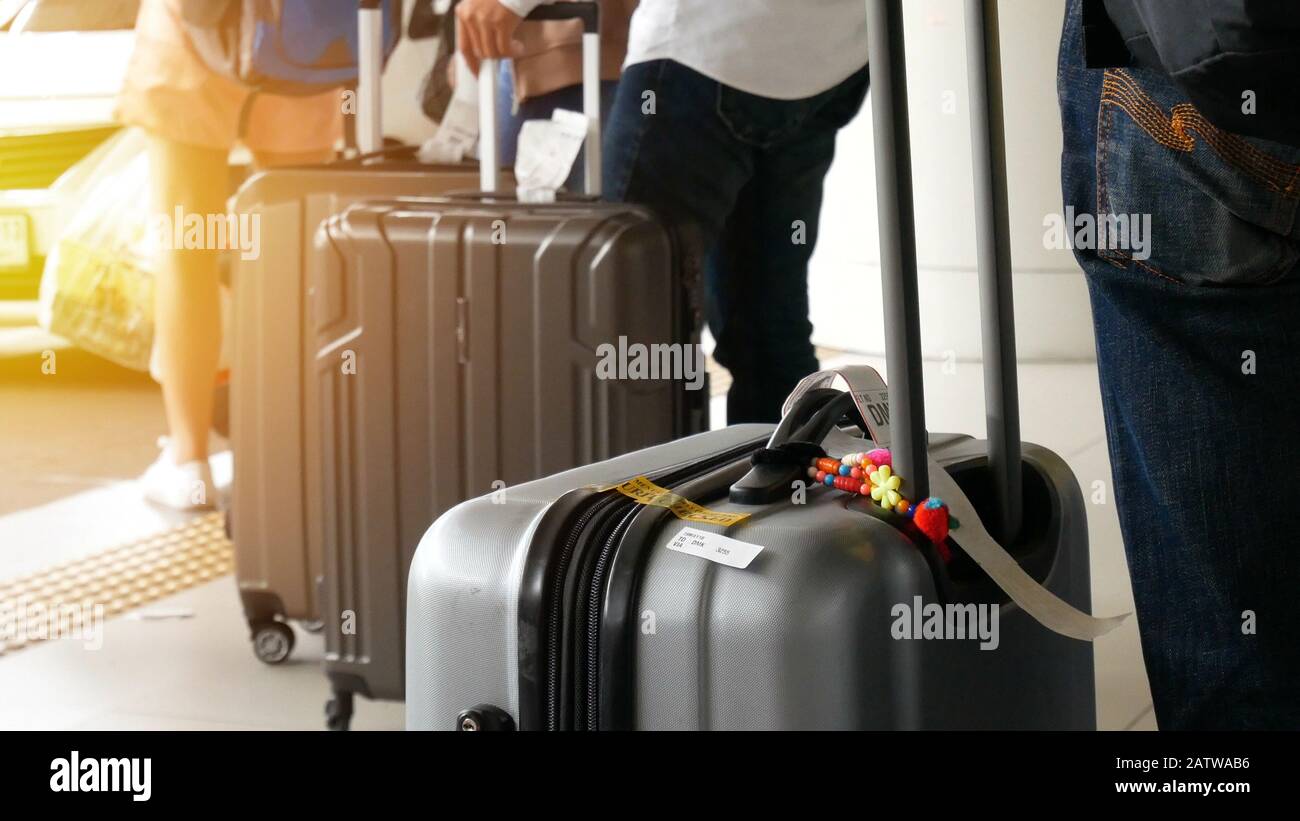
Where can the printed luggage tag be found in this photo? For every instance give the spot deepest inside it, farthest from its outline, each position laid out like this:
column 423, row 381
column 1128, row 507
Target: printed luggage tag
column 870, row 395
column 715, row 547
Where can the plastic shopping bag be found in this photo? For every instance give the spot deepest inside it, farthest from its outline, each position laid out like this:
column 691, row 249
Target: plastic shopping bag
column 97, row 287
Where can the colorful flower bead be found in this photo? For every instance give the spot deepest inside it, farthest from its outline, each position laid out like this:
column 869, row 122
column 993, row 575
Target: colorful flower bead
column 884, row 487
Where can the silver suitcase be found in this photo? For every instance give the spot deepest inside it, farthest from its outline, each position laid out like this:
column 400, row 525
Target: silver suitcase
column 800, row 639
column 565, row 604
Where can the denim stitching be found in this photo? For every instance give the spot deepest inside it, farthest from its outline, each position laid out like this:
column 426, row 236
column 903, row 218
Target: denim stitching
column 1175, row 131
column 1103, row 195
column 1120, row 90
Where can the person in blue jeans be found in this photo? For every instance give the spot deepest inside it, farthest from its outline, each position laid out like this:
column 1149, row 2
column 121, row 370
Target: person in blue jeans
column 739, row 176
column 725, row 124
column 1198, row 348
column 541, row 64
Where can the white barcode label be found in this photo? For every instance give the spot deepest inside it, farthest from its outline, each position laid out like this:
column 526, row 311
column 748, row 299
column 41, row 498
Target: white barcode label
column 715, row 547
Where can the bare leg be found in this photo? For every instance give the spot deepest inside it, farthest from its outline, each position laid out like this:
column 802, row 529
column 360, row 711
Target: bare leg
column 186, row 303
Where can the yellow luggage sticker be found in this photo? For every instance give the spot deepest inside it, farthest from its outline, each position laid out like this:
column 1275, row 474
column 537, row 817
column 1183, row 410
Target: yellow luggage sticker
column 645, row 492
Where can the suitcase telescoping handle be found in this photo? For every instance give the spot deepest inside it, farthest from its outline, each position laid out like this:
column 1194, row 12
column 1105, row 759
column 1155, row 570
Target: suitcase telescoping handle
column 490, row 137
column 370, row 73
column 898, row 253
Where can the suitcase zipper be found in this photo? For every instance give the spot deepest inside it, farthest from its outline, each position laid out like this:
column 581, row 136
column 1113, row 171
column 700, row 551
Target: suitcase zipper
column 555, row 616
column 589, row 638
column 594, row 595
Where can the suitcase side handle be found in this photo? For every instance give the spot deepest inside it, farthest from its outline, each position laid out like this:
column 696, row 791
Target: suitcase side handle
column 489, row 136
column 898, row 252
column 796, row 440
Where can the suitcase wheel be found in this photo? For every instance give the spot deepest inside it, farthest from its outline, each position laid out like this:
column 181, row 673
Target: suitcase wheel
column 272, row 641
column 338, row 711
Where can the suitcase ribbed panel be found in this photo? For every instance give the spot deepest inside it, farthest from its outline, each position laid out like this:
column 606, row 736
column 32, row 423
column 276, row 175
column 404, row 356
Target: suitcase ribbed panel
column 277, row 560
column 267, row 521
column 352, row 424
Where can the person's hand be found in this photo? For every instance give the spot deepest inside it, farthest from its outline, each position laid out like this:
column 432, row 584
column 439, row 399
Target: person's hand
column 484, row 29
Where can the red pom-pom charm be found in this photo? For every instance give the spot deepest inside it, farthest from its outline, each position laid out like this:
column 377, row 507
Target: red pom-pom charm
column 931, row 517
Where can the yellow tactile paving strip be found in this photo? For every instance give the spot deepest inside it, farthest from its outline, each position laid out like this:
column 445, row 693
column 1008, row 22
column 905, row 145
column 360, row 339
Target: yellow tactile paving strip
column 118, row 580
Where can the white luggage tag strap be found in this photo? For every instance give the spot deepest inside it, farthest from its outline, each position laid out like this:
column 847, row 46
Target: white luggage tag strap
column 1049, row 610
column 1045, row 606
column 869, row 394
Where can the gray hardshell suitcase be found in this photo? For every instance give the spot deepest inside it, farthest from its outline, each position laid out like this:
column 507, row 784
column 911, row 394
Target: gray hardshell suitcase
column 455, row 348
column 277, row 563
column 560, row 604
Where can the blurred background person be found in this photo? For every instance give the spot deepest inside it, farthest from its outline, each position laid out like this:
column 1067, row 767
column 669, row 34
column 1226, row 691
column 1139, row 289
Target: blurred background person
column 724, row 124
column 194, row 117
column 543, row 69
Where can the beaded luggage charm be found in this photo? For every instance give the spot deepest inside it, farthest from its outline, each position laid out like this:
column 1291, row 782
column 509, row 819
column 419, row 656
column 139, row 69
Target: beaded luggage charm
column 871, row 474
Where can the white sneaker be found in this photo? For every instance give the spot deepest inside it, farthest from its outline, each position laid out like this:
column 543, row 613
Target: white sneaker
column 184, row 487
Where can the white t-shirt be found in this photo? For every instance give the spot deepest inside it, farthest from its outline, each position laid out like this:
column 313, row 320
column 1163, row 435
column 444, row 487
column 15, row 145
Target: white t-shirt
column 786, row 49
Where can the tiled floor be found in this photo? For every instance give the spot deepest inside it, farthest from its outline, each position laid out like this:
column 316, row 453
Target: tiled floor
column 185, row 662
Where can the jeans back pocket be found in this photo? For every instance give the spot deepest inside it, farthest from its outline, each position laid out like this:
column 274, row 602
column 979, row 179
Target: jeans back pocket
column 1180, row 198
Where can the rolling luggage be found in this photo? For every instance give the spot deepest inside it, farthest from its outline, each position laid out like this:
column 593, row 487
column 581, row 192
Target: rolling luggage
column 631, row 595
column 456, row 349
column 277, row 565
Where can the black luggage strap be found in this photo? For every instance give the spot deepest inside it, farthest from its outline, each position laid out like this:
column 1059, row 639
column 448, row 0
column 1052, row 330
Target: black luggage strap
column 795, row 443
column 788, row 453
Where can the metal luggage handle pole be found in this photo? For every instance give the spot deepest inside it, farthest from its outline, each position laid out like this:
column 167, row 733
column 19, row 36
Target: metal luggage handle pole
column 898, row 254
column 370, row 62
column 898, row 243
column 992, row 235
column 489, row 136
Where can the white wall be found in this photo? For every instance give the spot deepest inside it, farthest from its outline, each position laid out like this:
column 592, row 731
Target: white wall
column 1052, row 316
